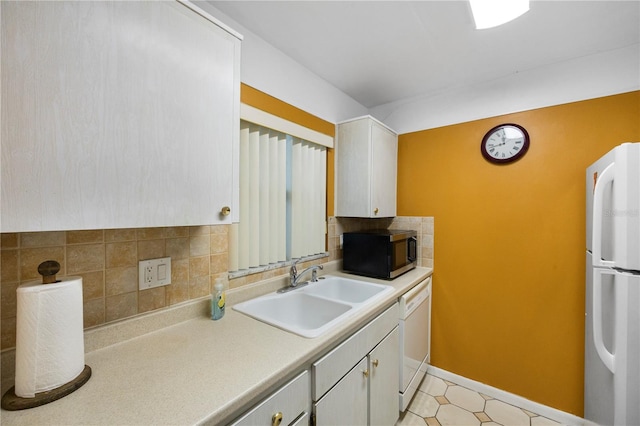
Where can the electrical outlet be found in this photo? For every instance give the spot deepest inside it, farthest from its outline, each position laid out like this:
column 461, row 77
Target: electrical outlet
column 154, row 273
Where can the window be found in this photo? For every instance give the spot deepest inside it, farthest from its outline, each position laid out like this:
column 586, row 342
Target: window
column 282, row 193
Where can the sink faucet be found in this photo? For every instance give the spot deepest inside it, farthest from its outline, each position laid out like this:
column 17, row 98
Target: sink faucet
column 294, row 276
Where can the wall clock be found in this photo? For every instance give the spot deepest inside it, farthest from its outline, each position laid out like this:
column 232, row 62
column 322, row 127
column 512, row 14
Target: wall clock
column 505, row 143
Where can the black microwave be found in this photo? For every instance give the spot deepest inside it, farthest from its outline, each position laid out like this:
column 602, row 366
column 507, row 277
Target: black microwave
column 382, row 253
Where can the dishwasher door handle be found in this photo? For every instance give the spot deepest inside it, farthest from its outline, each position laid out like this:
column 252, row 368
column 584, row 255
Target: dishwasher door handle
column 412, row 299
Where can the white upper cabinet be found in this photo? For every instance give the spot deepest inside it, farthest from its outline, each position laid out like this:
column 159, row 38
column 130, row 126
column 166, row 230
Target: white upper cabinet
column 366, row 169
column 117, row 115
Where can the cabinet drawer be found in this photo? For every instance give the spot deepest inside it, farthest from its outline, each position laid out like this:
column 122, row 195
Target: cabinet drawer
column 292, row 400
column 334, row 365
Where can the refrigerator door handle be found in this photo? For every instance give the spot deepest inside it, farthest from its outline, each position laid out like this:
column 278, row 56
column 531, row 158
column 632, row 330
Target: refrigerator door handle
column 607, row 357
column 605, row 177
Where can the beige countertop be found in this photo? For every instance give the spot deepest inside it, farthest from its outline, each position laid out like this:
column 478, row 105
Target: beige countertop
column 196, row 371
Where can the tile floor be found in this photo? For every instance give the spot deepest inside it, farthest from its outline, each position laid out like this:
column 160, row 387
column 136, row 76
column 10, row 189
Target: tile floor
column 440, row 402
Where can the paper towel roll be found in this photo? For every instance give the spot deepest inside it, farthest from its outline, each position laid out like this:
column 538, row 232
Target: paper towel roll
column 49, row 335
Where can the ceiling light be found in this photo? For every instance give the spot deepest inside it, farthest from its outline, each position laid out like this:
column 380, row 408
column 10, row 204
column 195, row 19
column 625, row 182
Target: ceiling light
column 491, row 13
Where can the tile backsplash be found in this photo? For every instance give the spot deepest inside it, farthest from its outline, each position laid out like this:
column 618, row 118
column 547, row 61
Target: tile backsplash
column 424, row 226
column 107, row 261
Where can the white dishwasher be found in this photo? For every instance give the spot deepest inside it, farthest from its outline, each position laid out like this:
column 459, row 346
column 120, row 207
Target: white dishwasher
column 415, row 339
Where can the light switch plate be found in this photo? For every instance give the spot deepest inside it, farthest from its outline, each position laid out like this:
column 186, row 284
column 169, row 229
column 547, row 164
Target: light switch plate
column 154, row 273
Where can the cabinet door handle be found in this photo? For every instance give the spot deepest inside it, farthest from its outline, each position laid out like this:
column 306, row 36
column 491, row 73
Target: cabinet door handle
column 375, row 211
column 375, row 362
column 276, row 419
column 365, row 373
column 226, row 210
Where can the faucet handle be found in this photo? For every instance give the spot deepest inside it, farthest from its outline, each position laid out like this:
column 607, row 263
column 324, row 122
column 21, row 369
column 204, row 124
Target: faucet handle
column 314, row 273
column 294, row 270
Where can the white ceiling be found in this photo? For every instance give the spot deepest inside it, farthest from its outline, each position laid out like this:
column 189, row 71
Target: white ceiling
column 379, row 52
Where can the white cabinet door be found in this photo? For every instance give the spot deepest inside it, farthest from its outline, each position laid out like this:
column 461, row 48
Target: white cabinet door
column 116, row 115
column 384, row 363
column 366, row 169
column 384, row 166
column 353, row 169
column 346, row 403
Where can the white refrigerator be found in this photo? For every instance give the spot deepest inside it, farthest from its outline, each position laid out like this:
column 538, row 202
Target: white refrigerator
column 612, row 319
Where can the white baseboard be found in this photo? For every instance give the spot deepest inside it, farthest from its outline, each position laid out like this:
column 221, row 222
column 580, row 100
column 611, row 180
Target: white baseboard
column 510, row 398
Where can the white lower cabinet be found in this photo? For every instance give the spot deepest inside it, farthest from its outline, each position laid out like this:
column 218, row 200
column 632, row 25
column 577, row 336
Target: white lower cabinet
column 357, row 382
column 289, row 405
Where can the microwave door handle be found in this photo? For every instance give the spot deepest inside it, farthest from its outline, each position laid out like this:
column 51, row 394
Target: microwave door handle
column 412, row 251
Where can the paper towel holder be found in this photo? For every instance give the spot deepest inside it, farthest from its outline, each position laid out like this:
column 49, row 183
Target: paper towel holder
column 12, row 402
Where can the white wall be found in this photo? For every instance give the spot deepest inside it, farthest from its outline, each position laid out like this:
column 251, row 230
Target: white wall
column 271, row 71
column 584, row 78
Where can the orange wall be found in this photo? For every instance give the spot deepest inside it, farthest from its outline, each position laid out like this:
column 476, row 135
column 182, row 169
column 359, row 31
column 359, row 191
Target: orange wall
column 508, row 304
column 265, row 102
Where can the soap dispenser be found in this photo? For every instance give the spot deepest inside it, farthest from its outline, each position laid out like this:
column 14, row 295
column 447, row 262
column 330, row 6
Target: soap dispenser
column 217, row 300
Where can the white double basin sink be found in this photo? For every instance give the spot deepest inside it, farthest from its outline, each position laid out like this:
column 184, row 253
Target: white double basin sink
column 314, row 309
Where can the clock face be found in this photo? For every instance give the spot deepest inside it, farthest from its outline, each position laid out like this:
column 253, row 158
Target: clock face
column 505, row 143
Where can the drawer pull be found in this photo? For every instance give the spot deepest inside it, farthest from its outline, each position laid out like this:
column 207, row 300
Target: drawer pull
column 276, row 419
column 375, row 362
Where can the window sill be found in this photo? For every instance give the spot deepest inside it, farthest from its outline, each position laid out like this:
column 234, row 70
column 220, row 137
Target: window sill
column 271, row 266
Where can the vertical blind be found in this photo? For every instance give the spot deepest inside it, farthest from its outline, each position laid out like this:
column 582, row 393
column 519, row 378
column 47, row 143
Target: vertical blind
column 282, row 199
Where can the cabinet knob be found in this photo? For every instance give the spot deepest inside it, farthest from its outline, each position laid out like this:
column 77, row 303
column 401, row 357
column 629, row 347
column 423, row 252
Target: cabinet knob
column 375, row 211
column 276, row 419
column 226, row 210
column 365, row 373
column 375, row 362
